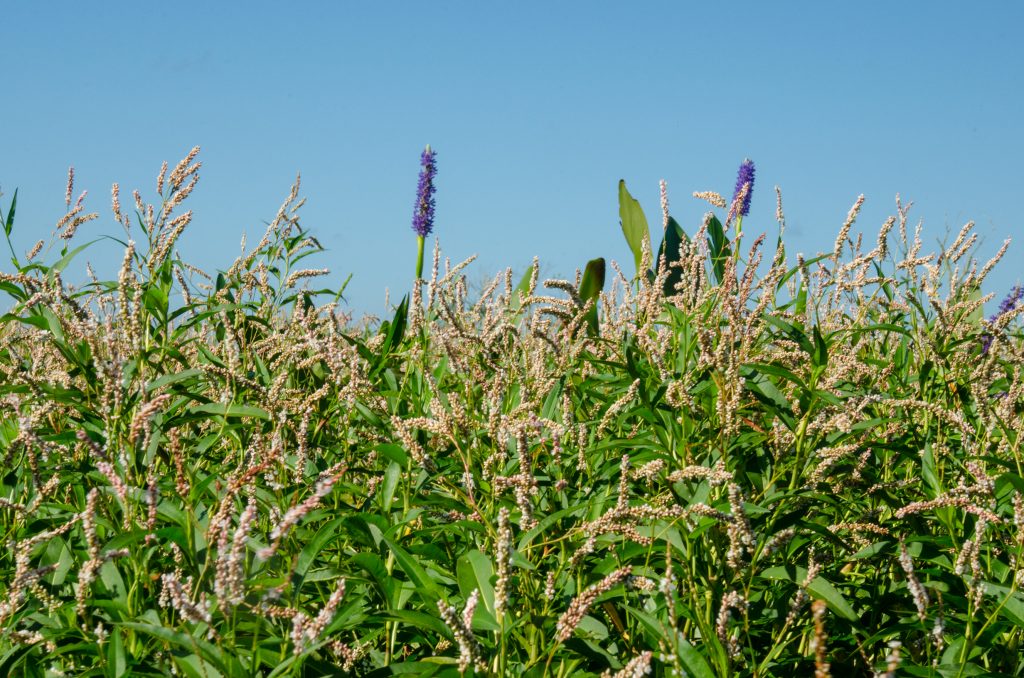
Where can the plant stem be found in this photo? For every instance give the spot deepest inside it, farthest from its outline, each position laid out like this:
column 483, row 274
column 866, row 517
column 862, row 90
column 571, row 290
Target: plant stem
column 419, row 256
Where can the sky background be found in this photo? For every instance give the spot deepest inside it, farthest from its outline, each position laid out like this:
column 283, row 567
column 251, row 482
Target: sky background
column 536, row 110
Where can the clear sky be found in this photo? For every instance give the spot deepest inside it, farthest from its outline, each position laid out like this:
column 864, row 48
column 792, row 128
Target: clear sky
column 536, row 110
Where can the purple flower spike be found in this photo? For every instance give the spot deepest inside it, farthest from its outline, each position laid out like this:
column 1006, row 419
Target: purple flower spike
column 423, row 212
column 1008, row 303
column 745, row 176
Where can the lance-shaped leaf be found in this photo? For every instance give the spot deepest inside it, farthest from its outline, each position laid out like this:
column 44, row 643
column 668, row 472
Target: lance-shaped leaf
column 719, row 243
column 590, row 289
column 634, row 224
column 674, row 237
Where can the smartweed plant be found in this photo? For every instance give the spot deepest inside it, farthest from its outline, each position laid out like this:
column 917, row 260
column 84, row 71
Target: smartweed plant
column 711, row 467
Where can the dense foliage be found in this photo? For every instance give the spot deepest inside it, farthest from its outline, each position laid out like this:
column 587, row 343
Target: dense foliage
column 712, row 467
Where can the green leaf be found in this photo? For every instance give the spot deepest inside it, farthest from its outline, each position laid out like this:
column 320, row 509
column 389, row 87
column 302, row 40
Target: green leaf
column 590, row 289
column 66, row 259
column 425, row 586
column 819, row 588
column 172, row 379
column 9, row 223
column 396, row 330
column 975, row 316
column 194, row 667
column 719, row 245
column 116, row 663
column 192, row 643
column 394, row 452
column 387, row 491
column 231, row 410
column 313, row 547
column 519, row 293
column 634, row 225
column 929, row 472
column 474, row 571
column 374, row 566
column 674, row 238
column 793, row 332
column 820, row 355
column 1011, row 603
column 693, row 661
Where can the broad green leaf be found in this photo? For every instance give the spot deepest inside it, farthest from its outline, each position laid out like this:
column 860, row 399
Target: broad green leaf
column 117, row 665
column 474, row 571
column 1011, row 602
column 387, row 490
column 634, row 225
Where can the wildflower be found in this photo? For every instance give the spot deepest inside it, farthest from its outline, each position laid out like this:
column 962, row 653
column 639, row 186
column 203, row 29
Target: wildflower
column 230, row 582
column 306, row 631
column 730, row 601
column 175, row 595
column 821, row 666
column 917, row 591
column 295, row 514
column 637, row 667
column 503, row 555
column 470, row 650
column 744, row 188
column 423, row 213
column 580, row 605
column 663, row 185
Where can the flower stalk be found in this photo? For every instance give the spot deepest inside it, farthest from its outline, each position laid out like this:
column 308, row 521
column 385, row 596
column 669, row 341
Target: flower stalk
column 423, row 211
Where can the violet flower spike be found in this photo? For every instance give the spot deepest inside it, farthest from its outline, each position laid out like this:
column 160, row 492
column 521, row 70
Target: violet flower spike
column 743, row 177
column 423, row 213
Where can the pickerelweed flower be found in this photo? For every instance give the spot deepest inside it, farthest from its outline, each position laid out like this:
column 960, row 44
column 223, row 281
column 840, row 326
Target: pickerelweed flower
column 745, row 177
column 423, row 213
column 1008, row 303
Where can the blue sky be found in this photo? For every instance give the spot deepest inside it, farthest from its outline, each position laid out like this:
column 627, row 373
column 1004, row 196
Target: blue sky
column 536, row 109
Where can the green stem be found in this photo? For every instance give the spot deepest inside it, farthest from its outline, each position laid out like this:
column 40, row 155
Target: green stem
column 736, row 241
column 419, row 256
